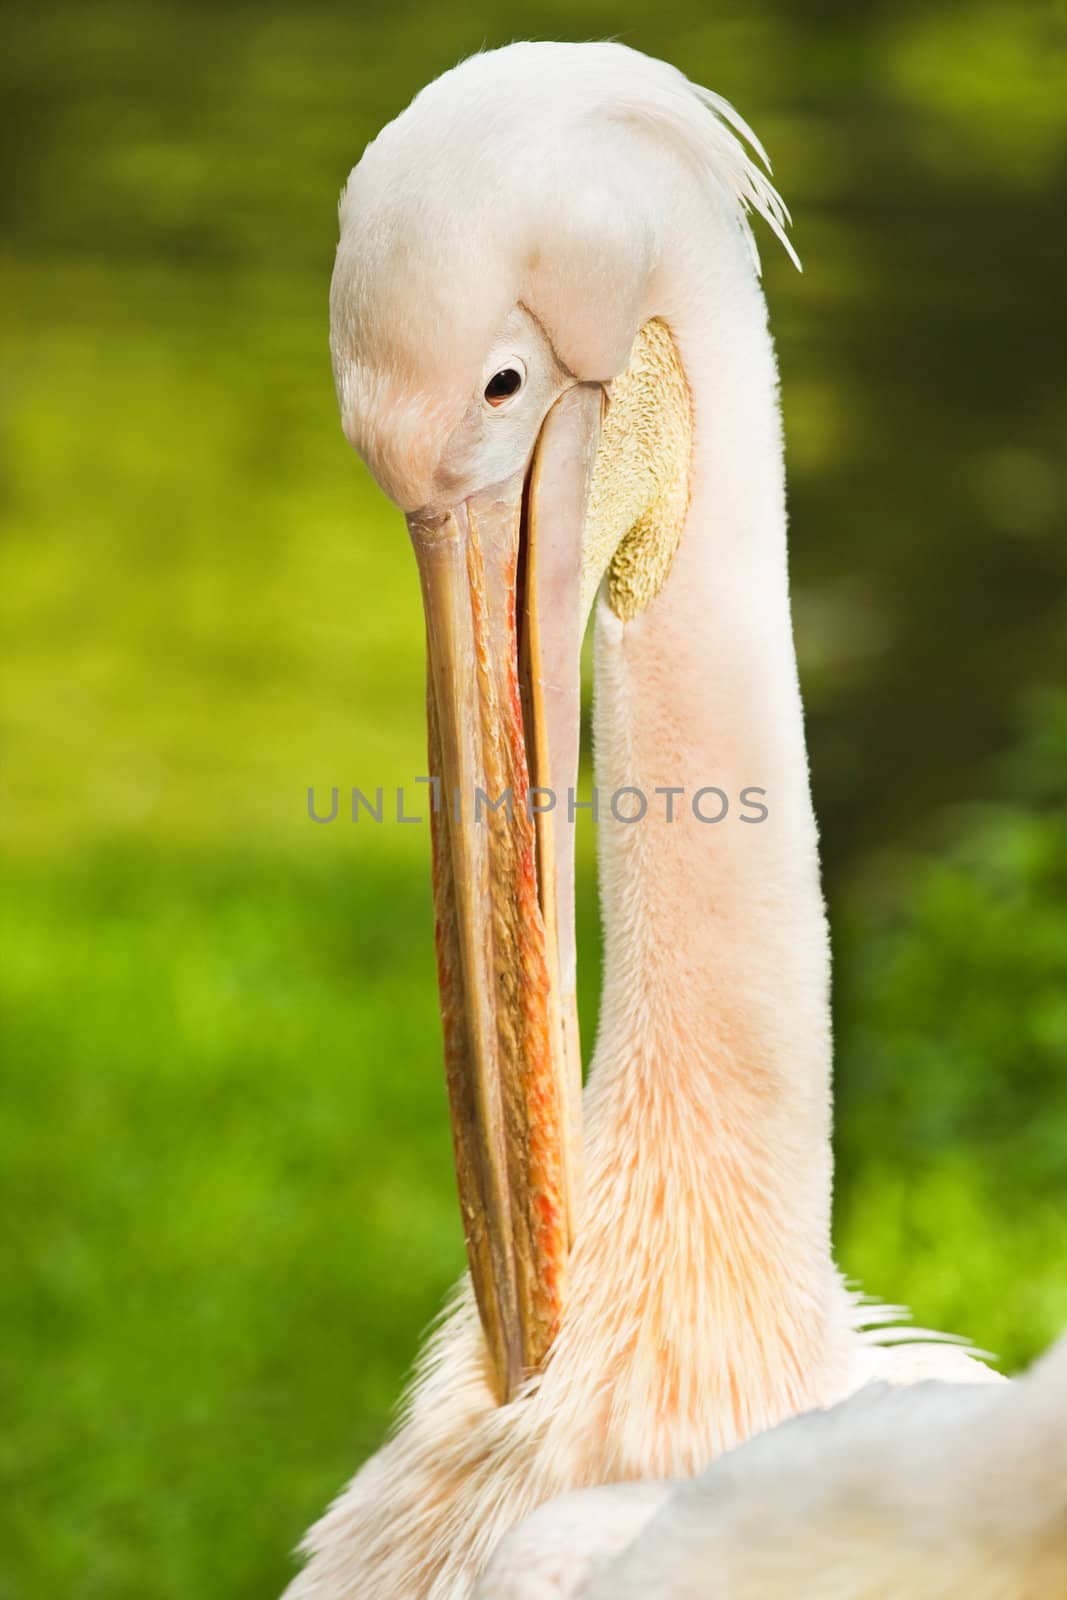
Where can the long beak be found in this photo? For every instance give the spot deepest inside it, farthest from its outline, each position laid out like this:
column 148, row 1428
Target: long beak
column 501, row 590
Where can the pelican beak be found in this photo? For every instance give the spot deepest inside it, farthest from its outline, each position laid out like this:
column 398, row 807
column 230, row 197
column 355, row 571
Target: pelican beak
column 500, row 579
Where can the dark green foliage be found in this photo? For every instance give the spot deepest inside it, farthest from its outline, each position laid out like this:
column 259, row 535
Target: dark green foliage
column 951, row 1081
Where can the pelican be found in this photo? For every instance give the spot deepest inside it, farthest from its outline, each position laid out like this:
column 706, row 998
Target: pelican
column 551, row 349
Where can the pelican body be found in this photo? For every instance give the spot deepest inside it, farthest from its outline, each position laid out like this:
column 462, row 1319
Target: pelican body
column 551, row 349
column 936, row 1491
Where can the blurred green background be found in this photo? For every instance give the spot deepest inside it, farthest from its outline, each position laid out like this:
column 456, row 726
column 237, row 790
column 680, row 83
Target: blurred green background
column 227, row 1200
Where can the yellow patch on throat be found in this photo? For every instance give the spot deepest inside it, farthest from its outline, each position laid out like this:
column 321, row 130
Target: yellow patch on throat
column 640, row 490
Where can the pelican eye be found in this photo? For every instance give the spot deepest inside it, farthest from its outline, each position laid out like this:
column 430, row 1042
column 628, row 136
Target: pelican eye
column 503, row 384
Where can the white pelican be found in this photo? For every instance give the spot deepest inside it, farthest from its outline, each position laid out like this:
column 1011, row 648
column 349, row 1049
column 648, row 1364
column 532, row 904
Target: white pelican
column 932, row 1492
column 551, row 348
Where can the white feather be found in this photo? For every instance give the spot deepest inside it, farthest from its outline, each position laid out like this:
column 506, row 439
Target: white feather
column 936, row 1492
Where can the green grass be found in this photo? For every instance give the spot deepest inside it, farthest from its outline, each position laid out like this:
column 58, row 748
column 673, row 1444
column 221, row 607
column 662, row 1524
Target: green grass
column 228, row 1198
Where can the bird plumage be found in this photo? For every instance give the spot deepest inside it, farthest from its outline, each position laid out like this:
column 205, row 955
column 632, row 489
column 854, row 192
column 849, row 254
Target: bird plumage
column 597, row 190
column 930, row 1492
